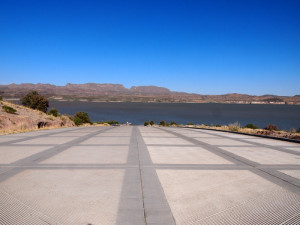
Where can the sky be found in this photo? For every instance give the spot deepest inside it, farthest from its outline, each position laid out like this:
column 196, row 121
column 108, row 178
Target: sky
column 205, row 47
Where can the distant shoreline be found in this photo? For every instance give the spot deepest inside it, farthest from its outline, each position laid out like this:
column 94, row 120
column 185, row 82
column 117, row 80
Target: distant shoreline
column 95, row 92
column 158, row 102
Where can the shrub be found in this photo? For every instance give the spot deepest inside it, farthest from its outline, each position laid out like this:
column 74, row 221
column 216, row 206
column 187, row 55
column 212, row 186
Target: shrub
column 54, row 112
column 272, row 127
column 163, row 123
column 173, row 123
column 1, row 99
column 9, row 109
column 251, row 126
column 34, row 100
column 218, row 125
column 189, row 124
column 81, row 118
column 77, row 121
column 151, row 123
column 146, row 123
column 112, row 122
column 234, row 127
column 298, row 131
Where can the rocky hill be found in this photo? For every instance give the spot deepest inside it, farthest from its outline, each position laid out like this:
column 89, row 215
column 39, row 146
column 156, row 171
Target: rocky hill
column 117, row 92
column 26, row 119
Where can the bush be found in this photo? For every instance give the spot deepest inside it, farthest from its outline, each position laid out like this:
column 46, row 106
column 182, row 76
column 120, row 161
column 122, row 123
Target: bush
column 112, row 122
column 163, row 123
column 218, row 125
column 81, row 118
column 34, row 100
column 234, row 127
column 1, row 99
column 9, row 109
column 189, row 124
column 151, row 123
column 173, row 123
column 272, row 127
column 251, row 126
column 146, row 123
column 54, row 112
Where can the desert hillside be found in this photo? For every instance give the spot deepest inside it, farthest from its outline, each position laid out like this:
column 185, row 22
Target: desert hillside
column 26, row 119
column 117, row 92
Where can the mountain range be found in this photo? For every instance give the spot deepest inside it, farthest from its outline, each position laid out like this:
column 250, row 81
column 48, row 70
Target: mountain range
column 117, row 92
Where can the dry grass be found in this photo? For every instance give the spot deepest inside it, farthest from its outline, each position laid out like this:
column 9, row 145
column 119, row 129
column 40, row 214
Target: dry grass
column 23, row 129
column 26, row 120
column 236, row 128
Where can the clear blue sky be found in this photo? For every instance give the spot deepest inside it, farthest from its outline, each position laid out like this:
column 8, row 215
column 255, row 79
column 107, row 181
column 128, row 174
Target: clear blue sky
column 205, row 47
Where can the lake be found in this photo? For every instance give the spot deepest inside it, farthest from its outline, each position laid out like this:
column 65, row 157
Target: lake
column 284, row 116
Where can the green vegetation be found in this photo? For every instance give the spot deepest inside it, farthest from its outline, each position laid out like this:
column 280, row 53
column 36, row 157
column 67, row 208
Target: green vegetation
column 146, row 123
column 151, row 123
column 53, row 112
column 218, row 125
column 1, row 99
column 272, row 127
column 8, row 109
column 110, row 122
column 251, row 126
column 34, row 100
column 163, row 123
column 173, row 123
column 234, row 127
column 190, row 124
column 80, row 118
column 298, row 131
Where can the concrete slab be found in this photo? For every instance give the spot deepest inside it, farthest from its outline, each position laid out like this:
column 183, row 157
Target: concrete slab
column 119, row 175
column 222, row 141
column 47, row 141
column 198, row 134
column 213, row 132
column 184, row 155
column 69, row 196
column 114, row 134
column 90, row 155
column 165, row 141
column 107, row 140
column 157, row 134
column 123, row 129
column 292, row 173
column 295, row 148
column 264, row 155
column 148, row 129
column 68, row 134
column 195, row 196
column 9, row 138
column 235, row 136
column 273, row 142
column 10, row 154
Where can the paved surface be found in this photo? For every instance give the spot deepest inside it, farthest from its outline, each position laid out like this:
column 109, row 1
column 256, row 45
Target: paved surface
column 144, row 175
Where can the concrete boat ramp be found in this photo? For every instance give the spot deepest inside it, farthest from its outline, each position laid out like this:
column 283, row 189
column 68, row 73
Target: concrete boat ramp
column 147, row 175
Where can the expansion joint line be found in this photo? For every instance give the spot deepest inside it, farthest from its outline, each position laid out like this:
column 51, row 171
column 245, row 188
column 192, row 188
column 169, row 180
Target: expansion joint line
column 140, row 171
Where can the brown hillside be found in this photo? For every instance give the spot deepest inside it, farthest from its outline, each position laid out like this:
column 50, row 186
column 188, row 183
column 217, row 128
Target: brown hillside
column 26, row 119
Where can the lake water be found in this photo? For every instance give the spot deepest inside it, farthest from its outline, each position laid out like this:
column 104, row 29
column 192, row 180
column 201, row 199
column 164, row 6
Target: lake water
column 284, row 116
